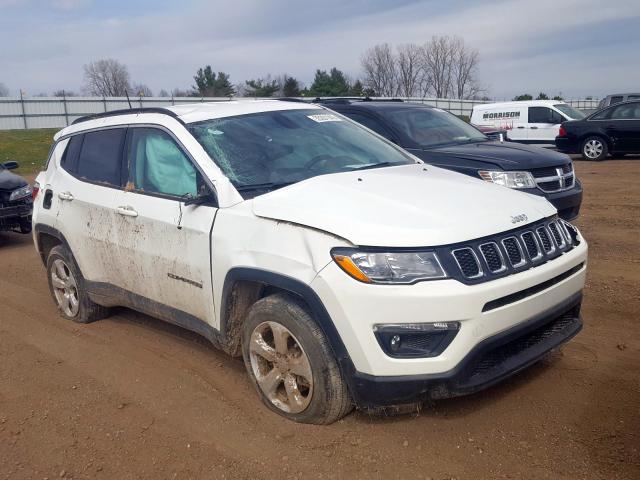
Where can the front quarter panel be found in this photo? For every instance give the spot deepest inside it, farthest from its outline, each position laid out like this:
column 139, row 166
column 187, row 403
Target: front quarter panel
column 242, row 240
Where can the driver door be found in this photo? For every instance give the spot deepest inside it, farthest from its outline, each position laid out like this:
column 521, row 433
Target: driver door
column 544, row 125
column 164, row 244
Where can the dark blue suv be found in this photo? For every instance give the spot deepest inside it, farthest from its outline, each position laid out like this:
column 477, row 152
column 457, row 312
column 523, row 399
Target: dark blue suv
column 440, row 138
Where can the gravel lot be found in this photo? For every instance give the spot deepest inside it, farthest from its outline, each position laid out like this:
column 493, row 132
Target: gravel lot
column 132, row 397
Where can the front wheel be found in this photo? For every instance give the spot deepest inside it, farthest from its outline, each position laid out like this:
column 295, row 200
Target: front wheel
column 594, row 148
column 290, row 362
column 67, row 288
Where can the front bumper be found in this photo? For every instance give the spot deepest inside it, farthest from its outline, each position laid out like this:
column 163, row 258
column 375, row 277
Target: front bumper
column 491, row 361
column 539, row 294
column 14, row 217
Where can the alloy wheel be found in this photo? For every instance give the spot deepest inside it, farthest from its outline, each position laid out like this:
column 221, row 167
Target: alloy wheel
column 593, row 148
column 65, row 288
column 281, row 367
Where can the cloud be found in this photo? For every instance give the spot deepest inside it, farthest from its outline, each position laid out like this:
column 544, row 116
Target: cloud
column 523, row 47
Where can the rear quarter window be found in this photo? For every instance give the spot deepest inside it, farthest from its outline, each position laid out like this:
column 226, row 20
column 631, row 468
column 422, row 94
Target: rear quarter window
column 69, row 159
column 100, row 157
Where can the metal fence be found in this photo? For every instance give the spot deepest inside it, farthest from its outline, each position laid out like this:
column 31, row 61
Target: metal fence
column 58, row 112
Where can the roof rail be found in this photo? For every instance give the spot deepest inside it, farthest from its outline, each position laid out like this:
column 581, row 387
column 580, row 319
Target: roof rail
column 293, row 99
column 355, row 99
column 128, row 111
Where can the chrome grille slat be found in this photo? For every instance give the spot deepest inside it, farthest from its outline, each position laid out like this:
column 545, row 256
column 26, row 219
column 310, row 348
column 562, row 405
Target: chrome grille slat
column 493, row 257
column 557, row 236
column 531, row 245
column 514, row 251
column 545, row 240
column 467, row 261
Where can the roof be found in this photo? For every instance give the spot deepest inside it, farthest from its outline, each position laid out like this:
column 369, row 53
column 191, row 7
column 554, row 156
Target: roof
column 528, row 103
column 185, row 113
column 375, row 104
column 195, row 112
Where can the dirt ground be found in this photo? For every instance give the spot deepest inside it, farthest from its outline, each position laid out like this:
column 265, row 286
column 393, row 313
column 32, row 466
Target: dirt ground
column 132, row 397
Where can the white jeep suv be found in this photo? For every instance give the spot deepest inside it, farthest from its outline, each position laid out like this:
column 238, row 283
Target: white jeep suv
column 345, row 271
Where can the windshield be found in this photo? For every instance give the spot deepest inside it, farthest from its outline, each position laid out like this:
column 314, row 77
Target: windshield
column 272, row 149
column 569, row 111
column 430, row 127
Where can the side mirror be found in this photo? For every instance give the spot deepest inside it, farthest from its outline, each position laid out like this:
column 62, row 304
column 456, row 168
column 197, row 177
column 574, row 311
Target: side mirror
column 12, row 165
column 202, row 199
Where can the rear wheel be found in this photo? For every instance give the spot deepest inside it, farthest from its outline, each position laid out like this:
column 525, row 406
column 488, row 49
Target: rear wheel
column 67, row 288
column 594, row 148
column 290, row 363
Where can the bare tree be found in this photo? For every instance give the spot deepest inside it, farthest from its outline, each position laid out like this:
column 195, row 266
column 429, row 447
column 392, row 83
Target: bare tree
column 412, row 78
column 107, row 77
column 64, row 93
column 437, row 61
column 141, row 90
column 465, row 69
column 380, row 70
column 4, row 91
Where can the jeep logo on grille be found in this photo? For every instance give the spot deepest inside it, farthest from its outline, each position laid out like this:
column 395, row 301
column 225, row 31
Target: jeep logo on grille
column 519, row 218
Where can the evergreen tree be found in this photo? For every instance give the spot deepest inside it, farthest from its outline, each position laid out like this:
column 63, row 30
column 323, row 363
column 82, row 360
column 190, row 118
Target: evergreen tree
column 208, row 84
column 291, row 87
column 261, row 88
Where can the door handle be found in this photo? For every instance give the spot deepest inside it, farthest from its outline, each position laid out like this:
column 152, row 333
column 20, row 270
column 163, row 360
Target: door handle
column 127, row 211
column 520, row 127
column 534, row 128
column 65, row 196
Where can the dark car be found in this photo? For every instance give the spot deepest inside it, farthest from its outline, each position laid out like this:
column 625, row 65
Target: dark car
column 16, row 203
column 493, row 133
column 615, row 130
column 442, row 139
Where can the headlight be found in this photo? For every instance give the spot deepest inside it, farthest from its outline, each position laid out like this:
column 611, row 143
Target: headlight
column 388, row 267
column 509, row 179
column 20, row 193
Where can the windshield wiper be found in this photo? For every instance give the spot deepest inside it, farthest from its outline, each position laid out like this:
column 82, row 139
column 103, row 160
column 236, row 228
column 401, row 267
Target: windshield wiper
column 378, row 165
column 263, row 186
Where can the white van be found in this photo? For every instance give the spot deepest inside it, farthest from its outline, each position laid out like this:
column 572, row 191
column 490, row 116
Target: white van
column 529, row 121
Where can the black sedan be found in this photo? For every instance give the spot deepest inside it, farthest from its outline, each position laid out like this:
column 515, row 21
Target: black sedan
column 613, row 130
column 442, row 139
column 16, row 203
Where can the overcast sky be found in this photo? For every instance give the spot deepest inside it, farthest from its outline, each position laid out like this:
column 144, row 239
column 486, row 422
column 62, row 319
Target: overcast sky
column 573, row 47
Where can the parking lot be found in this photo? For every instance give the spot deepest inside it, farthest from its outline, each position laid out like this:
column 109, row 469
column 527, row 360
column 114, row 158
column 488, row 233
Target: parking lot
column 132, row 397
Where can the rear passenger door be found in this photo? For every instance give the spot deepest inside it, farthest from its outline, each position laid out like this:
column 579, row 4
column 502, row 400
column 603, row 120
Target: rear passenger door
column 86, row 184
column 544, row 125
column 623, row 127
column 164, row 245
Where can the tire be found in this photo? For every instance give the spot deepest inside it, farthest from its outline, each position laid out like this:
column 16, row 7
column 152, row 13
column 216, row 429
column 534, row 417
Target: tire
column 290, row 362
column 66, row 284
column 594, row 148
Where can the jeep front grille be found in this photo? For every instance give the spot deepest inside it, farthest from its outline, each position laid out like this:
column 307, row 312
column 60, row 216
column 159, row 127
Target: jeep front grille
column 514, row 251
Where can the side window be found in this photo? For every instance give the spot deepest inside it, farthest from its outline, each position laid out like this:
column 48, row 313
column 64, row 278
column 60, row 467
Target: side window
column 628, row 111
column 158, row 165
column 543, row 115
column 602, row 115
column 616, row 99
column 69, row 160
column 369, row 122
column 100, row 157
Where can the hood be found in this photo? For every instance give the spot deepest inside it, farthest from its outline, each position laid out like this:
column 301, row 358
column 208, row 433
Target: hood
column 507, row 155
column 406, row 206
column 10, row 181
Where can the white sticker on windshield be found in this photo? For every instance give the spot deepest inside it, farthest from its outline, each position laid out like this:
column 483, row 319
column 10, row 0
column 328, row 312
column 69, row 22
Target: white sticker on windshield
column 324, row 117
